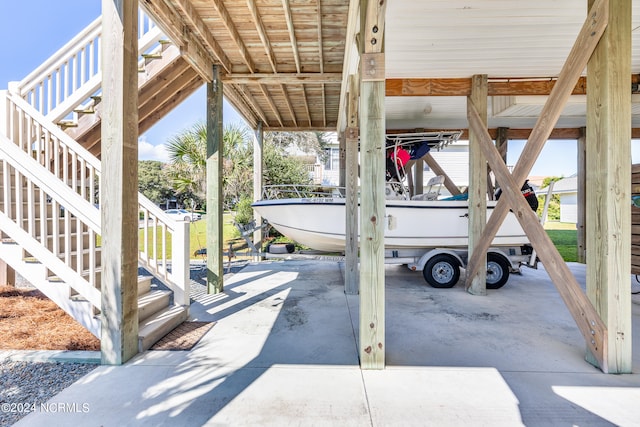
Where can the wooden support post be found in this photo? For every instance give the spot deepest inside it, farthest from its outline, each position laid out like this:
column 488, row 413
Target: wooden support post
column 584, row 45
column 7, row 274
column 418, row 176
column 477, row 183
column 215, row 250
column 258, row 161
column 587, row 319
column 502, row 142
column 119, row 188
column 583, row 312
column 582, row 193
column 372, row 200
column 608, row 182
column 351, row 145
column 342, row 161
column 436, row 169
column 408, row 169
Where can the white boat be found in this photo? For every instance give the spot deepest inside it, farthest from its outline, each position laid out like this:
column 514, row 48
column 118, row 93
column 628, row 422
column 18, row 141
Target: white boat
column 319, row 223
column 317, row 218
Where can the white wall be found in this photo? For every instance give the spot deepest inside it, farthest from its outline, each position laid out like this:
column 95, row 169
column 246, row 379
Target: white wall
column 454, row 159
column 569, row 207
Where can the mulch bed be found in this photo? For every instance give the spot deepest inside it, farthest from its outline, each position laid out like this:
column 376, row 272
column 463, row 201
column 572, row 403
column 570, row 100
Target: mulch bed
column 31, row 321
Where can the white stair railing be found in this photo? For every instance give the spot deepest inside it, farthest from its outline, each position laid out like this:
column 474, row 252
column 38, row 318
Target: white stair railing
column 72, row 75
column 55, row 227
column 76, row 169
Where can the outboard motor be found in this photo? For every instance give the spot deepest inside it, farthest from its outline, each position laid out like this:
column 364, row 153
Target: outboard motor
column 528, row 193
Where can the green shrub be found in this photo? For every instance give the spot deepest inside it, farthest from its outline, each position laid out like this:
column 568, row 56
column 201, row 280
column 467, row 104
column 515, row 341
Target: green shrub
column 244, row 211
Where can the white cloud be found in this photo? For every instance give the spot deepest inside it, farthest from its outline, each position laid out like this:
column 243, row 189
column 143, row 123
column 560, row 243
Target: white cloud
column 148, row 151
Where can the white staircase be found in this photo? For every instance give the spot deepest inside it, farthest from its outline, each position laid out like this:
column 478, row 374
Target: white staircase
column 49, row 195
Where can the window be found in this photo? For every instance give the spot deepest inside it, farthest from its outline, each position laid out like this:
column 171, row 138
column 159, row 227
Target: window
column 332, row 161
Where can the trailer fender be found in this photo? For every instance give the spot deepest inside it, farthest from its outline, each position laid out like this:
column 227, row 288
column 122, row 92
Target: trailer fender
column 505, row 256
column 422, row 261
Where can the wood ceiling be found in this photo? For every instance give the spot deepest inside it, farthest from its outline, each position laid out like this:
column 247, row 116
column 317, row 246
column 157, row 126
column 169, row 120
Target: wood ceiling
column 285, row 63
column 280, row 60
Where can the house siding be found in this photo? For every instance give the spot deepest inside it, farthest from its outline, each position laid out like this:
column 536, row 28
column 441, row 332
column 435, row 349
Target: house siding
column 569, row 208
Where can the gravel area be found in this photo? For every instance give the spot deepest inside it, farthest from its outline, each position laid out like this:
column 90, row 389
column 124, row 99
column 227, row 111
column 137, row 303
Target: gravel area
column 24, row 386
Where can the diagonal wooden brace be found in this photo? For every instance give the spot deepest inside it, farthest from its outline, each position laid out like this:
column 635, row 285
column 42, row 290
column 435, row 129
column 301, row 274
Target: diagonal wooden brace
column 587, row 40
column 587, row 318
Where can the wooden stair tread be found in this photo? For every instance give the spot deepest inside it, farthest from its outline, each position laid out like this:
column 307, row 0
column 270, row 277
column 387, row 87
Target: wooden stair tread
column 152, row 329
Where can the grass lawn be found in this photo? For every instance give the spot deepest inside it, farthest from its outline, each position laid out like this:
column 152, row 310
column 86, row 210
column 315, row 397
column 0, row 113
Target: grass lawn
column 197, row 236
column 565, row 237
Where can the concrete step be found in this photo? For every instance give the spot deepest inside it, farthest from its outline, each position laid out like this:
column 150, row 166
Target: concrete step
column 160, row 324
column 144, row 284
column 151, row 303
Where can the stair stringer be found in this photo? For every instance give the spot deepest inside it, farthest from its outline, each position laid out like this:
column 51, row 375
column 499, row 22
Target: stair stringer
column 36, row 273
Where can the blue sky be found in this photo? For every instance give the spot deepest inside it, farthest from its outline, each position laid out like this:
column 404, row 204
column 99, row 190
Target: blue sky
column 31, row 36
column 34, row 36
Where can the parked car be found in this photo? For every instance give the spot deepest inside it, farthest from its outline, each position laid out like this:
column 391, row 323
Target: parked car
column 183, row 215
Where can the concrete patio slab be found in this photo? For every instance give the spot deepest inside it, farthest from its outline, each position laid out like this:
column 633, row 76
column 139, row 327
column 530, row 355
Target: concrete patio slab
column 284, row 352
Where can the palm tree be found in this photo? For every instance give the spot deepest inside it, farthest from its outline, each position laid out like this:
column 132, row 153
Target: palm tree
column 188, row 157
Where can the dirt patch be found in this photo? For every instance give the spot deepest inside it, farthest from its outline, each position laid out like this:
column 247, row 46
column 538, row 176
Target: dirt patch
column 31, row 321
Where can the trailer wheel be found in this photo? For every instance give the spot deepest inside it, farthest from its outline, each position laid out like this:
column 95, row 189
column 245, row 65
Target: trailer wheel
column 442, row 271
column 497, row 271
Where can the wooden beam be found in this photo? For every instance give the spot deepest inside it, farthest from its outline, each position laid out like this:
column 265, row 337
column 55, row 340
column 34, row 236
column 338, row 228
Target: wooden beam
column 350, row 57
column 502, row 143
column 262, row 33
column 118, row 191
column 324, row 106
column 292, row 33
column 608, row 219
column 581, row 198
column 167, row 19
column 462, row 86
column 584, row 45
column 156, row 93
column 245, row 101
column 351, row 204
column 195, row 23
column 171, row 23
column 306, row 104
column 591, row 326
column 342, row 160
column 435, row 167
column 244, row 52
column 418, row 176
column 331, row 127
column 321, row 59
column 215, row 149
column 149, row 118
column 258, row 181
column 477, row 183
column 372, row 200
column 562, row 133
column 498, row 86
column 233, row 33
column 409, row 174
column 320, row 44
column 502, row 139
column 287, row 102
column 196, row 55
column 273, row 106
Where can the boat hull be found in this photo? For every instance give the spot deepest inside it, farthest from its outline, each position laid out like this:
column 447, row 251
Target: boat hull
column 319, row 223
